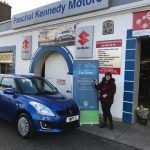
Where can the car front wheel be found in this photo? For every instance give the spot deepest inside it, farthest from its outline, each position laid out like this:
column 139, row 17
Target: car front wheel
column 24, row 126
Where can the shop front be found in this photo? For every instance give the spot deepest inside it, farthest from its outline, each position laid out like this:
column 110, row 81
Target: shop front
column 141, row 33
column 136, row 83
column 71, row 43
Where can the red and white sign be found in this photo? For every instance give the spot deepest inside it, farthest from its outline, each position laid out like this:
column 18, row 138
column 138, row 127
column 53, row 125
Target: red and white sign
column 109, row 55
column 26, row 47
column 84, row 42
column 141, row 23
column 25, row 44
column 83, row 38
column 61, row 82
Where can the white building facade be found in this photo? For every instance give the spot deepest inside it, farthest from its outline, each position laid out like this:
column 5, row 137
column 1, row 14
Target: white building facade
column 38, row 45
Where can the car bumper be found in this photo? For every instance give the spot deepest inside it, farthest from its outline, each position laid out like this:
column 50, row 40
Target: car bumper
column 54, row 124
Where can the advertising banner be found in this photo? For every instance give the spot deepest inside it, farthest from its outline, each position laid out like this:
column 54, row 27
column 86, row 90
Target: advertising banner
column 84, row 42
column 84, row 92
column 58, row 35
column 141, row 23
column 26, row 47
column 109, row 55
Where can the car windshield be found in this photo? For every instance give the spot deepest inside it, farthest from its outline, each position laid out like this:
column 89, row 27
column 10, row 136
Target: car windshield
column 36, row 86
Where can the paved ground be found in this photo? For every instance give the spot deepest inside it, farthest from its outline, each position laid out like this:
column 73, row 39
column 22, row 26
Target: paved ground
column 134, row 135
column 75, row 140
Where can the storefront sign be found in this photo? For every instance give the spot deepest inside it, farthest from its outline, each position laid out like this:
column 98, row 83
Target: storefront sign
column 26, row 47
column 84, row 92
column 61, row 82
column 63, row 35
column 109, row 55
column 6, row 57
column 57, row 10
column 84, row 42
column 141, row 23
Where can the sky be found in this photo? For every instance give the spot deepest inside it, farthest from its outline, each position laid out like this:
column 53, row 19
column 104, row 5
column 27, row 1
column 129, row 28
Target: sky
column 19, row 6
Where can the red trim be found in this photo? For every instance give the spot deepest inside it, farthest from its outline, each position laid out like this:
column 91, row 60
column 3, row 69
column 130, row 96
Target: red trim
column 103, row 70
column 109, row 43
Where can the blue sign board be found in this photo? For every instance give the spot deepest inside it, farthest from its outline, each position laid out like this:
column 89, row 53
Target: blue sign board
column 84, row 92
column 57, row 10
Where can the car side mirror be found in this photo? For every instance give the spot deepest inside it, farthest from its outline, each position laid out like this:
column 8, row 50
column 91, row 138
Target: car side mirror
column 10, row 91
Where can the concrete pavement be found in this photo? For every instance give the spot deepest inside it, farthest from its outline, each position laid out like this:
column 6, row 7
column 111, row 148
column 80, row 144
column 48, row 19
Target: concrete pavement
column 135, row 135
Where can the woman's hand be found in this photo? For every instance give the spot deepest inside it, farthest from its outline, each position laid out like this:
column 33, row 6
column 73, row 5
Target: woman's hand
column 104, row 95
column 96, row 82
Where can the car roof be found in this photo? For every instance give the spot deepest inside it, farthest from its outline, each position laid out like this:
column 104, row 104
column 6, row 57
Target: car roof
column 18, row 76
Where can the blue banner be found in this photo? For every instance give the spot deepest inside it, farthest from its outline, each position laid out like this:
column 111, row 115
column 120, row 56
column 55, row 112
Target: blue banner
column 57, row 10
column 84, row 92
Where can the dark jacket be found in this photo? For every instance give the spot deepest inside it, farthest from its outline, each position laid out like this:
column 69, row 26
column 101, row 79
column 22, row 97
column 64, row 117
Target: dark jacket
column 108, row 88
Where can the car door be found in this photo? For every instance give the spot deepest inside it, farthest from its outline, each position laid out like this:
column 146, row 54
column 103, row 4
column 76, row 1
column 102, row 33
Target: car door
column 7, row 101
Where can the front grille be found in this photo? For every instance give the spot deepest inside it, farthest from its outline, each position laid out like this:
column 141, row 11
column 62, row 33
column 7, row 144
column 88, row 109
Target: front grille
column 62, row 125
column 69, row 111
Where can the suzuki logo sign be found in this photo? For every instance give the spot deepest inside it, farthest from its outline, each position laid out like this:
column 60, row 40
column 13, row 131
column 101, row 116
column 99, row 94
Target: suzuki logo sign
column 26, row 47
column 84, row 42
column 25, row 44
column 83, row 38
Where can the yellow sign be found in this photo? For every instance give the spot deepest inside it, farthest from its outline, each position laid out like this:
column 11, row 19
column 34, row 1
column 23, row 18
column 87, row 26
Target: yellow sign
column 6, row 57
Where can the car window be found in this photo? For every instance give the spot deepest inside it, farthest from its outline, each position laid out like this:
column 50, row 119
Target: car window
column 7, row 83
column 36, row 86
column 44, row 86
column 27, row 86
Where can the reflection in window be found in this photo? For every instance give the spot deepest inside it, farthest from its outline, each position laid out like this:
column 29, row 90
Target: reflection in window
column 8, row 83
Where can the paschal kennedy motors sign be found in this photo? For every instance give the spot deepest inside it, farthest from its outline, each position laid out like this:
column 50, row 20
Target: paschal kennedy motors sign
column 57, row 10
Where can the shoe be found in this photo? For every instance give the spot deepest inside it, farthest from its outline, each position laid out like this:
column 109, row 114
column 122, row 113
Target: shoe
column 103, row 125
column 111, row 127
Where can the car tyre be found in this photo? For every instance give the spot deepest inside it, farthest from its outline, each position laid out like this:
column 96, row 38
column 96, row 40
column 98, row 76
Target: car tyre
column 24, row 126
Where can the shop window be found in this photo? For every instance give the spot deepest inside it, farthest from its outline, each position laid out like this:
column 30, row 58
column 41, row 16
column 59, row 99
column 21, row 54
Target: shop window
column 5, row 68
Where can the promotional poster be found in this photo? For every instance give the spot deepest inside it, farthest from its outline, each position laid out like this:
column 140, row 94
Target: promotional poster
column 85, row 94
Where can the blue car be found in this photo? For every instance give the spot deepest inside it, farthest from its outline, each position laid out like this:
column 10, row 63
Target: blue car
column 35, row 105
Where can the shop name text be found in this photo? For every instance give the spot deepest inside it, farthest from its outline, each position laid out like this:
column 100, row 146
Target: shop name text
column 59, row 9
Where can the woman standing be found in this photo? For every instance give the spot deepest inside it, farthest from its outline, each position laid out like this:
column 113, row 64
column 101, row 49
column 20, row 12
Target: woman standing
column 107, row 89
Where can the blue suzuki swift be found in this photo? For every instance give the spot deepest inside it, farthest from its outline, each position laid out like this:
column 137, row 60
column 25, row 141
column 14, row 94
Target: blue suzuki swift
column 35, row 105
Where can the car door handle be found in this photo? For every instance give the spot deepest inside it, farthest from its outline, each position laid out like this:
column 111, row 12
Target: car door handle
column 68, row 91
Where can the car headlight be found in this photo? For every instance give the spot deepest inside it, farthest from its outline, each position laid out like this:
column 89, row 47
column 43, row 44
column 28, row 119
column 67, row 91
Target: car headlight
column 41, row 109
